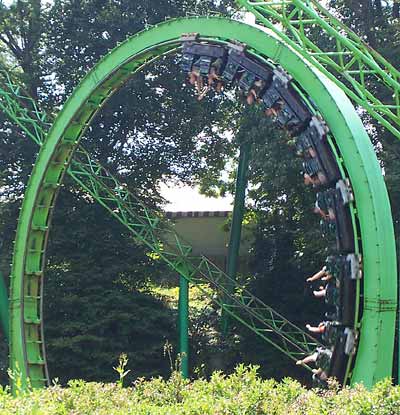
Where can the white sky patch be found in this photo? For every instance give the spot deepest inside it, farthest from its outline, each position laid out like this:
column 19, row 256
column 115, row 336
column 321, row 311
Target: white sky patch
column 188, row 199
column 9, row 2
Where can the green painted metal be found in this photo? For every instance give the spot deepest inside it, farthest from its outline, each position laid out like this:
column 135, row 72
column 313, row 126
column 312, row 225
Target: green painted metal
column 183, row 311
column 21, row 109
column 237, row 220
column 346, row 59
column 398, row 309
column 146, row 226
column 4, row 307
column 355, row 150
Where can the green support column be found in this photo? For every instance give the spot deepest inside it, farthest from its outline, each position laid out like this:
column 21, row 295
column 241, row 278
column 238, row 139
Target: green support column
column 237, row 220
column 184, row 325
column 4, row 307
column 398, row 311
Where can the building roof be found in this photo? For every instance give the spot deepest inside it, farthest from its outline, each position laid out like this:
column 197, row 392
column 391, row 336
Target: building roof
column 198, row 214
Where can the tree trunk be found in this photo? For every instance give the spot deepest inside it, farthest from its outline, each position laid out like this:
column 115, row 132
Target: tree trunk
column 396, row 9
column 378, row 8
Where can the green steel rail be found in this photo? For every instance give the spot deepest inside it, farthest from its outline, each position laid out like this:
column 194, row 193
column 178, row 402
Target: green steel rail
column 346, row 60
column 373, row 360
column 148, row 227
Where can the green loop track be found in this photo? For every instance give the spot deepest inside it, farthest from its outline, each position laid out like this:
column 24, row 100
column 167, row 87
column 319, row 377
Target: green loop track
column 371, row 211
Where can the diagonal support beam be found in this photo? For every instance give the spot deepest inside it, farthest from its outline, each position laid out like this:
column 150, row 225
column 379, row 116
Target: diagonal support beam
column 151, row 229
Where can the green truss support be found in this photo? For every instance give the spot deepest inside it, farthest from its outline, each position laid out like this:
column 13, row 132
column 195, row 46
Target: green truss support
column 183, row 312
column 22, row 109
column 346, row 59
column 373, row 359
column 149, row 227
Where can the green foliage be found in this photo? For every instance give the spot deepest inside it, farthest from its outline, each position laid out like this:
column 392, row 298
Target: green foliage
column 241, row 393
column 120, row 369
column 97, row 301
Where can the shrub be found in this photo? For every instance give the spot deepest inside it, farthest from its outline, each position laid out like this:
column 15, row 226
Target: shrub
column 241, row 393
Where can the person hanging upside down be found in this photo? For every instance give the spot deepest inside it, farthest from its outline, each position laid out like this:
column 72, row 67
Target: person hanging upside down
column 324, row 275
column 274, row 111
column 251, row 97
column 329, row 330
column 320, row 377
column 318, row 329
column 196, row 79
column 322, row 359
column 313, row 173
column 321, row 292
column 213, row 75
column 308, row 180
column 255, row 91
column 212, row 78
column 330, row 292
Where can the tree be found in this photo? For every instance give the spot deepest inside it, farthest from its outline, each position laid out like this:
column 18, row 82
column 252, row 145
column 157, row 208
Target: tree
column 396, row 9
column 386, row 34
column 93, row 274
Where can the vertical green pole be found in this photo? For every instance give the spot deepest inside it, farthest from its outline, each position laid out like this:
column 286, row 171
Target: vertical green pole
column 398, row 309
column 4, row 307
column 237, row 220
column 183, row 309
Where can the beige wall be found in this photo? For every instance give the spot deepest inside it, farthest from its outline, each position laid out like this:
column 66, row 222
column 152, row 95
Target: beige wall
column 207, row 237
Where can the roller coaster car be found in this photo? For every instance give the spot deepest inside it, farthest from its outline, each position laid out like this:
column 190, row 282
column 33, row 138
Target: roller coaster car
column 303, row 144
column 336, row 201
column 345, row 234
column 323, row 364
column 242, row 69
column 339, row 359
column 203, row 55
column 345, row 270
column 333, row 330
column 315, row 136
column 293, row 114
column 344, row 348
column 333, row 299
column 351, row 273
column 312, row 167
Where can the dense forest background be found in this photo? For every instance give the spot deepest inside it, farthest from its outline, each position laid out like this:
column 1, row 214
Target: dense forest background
column 102, row 291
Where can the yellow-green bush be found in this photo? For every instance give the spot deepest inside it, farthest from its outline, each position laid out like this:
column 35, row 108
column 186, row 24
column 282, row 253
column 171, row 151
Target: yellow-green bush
column 241, row 393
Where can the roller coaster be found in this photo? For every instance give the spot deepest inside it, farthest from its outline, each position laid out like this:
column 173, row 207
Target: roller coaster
column 309, row 93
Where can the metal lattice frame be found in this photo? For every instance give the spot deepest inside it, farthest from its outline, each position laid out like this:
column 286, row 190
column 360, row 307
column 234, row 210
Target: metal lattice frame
column 147, row 227
column 109, row 75
column 346, row 60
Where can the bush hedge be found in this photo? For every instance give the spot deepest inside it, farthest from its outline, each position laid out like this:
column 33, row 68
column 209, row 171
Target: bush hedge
column 242, row 392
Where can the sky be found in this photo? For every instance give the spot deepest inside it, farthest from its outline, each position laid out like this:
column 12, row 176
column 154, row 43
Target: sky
column 186, row 199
